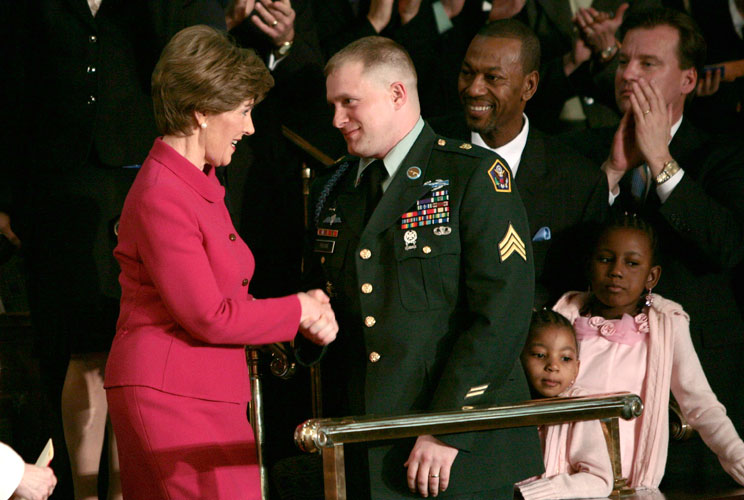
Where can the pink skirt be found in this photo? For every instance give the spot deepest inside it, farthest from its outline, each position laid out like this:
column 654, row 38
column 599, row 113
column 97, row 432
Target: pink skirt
column 176, row 447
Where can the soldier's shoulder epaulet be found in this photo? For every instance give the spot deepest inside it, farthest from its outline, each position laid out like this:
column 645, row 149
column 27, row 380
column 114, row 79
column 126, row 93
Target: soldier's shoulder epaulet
column 329, row 179
column 459, row 147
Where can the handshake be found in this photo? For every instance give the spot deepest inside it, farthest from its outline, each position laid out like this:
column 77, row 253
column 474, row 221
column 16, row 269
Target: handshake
column 317, row 320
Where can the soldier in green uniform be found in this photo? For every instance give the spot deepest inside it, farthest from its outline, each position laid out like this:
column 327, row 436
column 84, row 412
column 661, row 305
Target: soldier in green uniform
column 423, row 245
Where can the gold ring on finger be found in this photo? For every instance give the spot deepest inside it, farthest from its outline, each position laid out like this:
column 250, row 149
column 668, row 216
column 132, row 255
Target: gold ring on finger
column 275, row 22
column 646, row 112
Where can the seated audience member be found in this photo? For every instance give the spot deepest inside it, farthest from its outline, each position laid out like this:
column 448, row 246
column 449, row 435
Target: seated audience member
column 690, row 186
column 18, row 479
column 719, row 103
column 560, row 188
column 578, row 59
column 634, row 340
column 576, row 463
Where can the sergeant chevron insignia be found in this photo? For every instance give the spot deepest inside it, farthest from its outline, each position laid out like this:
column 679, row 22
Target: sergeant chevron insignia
column 510, row 244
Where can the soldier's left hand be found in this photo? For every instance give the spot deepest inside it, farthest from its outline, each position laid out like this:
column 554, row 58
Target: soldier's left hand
column 429, row 466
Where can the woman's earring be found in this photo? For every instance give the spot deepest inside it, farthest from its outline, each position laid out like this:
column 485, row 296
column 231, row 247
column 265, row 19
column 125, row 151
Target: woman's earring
column 649, row 298
column 203, row 125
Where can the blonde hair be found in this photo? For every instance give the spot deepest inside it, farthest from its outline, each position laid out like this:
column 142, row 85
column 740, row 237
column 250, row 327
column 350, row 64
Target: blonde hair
column 201, row 69
column 377, row 55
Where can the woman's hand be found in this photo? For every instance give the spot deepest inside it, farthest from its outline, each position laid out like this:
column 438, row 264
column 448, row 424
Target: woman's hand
column 317, row 320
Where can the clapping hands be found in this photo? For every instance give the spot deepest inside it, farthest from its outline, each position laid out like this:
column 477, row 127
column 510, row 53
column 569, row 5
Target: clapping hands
column 597, row 29
column 643, row 134
column 317, row 319
column 274, row 18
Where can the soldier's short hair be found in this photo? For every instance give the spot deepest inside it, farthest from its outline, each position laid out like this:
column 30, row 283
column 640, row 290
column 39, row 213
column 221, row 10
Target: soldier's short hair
column 377, row 55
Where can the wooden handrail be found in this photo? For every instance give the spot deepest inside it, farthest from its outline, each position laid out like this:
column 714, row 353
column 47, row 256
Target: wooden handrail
column 308, row 148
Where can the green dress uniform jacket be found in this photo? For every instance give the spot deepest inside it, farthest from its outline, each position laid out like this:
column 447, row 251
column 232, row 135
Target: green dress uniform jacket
column 433, row 314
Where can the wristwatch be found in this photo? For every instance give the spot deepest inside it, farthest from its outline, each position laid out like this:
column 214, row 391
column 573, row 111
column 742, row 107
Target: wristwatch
column 607, row 54
column 671, row 167
column 283, row 49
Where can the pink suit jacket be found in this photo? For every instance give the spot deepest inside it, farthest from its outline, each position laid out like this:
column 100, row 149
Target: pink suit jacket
column 186, row 313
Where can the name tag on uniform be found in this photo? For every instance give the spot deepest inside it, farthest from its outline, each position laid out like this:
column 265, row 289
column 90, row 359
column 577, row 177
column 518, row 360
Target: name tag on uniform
column 324, row 246
column 330, row 233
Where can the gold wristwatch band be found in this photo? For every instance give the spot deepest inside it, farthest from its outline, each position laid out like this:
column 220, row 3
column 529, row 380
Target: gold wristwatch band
column 671, row 167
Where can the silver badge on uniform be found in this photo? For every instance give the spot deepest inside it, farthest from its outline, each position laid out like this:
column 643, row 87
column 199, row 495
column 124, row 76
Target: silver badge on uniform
column 332, row 219
column 437, row 184
column 442, row 230
column 410, row 238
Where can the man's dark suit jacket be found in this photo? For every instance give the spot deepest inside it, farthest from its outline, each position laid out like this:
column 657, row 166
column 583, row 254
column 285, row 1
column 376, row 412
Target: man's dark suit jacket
column 700, row 229
column 561, row 190
column 431, row 318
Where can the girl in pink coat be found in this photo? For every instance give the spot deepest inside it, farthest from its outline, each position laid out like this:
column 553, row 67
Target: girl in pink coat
column 577, row 464
column 633, row 340
column 176, row 378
